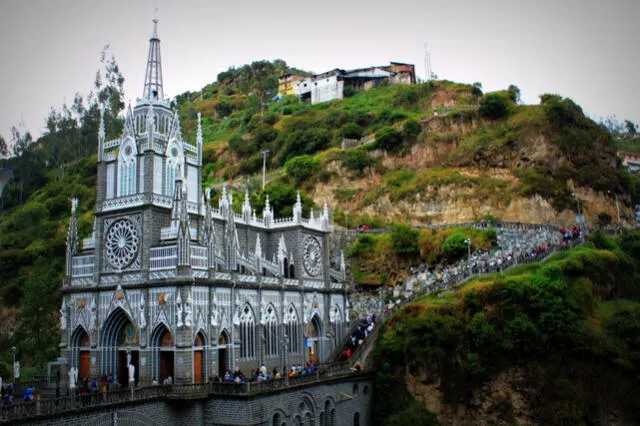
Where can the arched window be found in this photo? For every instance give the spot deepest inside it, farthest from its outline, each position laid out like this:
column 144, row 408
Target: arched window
column 356, row 419
column 271, row 332
column 291, row 328
column 277, row 419
column 247, row 333
column 127, row 169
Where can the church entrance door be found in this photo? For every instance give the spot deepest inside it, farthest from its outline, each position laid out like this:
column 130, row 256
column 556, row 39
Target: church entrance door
column 83, row 370
column 223, row 366
column 166, row 365
column 198, row 371
column 312, row 333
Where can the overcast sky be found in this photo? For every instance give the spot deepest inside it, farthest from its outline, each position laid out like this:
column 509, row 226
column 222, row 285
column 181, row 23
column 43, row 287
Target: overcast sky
column 583, row 49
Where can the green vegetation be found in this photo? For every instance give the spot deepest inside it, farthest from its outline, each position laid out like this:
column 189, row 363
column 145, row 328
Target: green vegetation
column 378, row 259
column 570, row 324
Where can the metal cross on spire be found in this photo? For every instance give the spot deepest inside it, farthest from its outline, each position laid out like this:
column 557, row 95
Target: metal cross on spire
column 153, row 76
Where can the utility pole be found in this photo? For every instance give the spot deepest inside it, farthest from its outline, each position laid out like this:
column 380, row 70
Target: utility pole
column 428, row 72
column 264, row 168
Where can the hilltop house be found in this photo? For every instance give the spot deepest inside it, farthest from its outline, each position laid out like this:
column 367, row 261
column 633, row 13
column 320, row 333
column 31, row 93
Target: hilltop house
column 332, row 84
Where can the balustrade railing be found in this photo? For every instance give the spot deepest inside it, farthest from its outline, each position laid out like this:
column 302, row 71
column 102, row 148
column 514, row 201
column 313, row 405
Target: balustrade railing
column 82, row 266
column 163, row 258
column 199, row 258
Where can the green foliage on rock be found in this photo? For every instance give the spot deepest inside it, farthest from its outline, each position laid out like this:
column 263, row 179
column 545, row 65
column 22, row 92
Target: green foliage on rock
column 573, row 319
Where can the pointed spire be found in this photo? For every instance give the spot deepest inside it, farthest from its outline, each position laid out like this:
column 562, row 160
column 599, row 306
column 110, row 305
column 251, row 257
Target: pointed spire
column 72, row 237
column 325, row 216
column 267, row 214
column 153, row 76
column 258, row 247
column 223, row 202
column 199, row 132
column 297, row 209
column 101, row 134
column 246, row 207
column 175, row 132
column 129, row 128
column 199, row 140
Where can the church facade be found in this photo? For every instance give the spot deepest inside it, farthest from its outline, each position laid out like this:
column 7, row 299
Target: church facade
column 180, row 288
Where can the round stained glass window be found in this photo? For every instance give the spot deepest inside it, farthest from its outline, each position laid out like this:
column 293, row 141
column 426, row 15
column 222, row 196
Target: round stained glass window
column 122, row 243
column 312, row 256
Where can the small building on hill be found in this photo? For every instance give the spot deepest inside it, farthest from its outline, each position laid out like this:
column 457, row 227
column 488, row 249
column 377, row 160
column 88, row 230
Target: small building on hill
column 287, row 84
column 332, row 84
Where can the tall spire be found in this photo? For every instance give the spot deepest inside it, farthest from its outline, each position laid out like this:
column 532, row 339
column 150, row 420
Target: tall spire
column 153, row 76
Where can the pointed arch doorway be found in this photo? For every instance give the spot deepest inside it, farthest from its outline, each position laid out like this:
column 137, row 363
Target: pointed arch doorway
column 198, row 359
column 223, row 353
column 80, row 352
column 162, row 354
column 312, row 333
column 119, row 342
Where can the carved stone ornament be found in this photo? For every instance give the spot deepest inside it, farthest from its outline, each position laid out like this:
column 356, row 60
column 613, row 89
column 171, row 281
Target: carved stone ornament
column 122, row 243
column 312, row 256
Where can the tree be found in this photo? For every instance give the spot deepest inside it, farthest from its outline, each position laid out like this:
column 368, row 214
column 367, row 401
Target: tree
column 4, row 148
column 514, row 93
column 477, row 89
column 454, row 246
column 631, row 128
column 493, row 106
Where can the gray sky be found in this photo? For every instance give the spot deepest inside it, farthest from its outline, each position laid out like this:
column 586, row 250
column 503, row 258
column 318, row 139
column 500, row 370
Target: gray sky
column 586, row 49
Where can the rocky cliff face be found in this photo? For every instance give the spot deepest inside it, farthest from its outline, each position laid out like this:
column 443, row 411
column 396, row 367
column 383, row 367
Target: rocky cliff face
column 459, row 203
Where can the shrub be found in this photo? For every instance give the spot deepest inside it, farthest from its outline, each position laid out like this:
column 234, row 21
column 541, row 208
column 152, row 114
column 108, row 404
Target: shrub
column 410, row 131
column 302, row 167
column 388, row 139
column 493, row 107
column 405, row 239
column 351, row 131
column 356, row 160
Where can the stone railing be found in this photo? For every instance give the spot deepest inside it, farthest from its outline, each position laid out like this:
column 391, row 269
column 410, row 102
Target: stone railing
column 351, row 143
column 20, row 411
column 82, row 266
column 163, row 258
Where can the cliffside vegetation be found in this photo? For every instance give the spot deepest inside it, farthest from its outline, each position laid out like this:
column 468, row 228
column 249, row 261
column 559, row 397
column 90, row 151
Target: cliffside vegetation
column 569, row 328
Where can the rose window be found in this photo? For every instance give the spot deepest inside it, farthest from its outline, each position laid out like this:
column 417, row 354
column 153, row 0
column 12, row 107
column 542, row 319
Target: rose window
column 122, row 243
column 312, row 256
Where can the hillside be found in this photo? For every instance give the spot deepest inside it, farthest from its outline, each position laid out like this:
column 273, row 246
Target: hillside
column 551, row 343
column 439, row 152
column 431, row 153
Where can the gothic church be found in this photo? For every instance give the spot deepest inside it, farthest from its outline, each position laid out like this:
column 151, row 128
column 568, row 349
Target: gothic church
column 179, row 288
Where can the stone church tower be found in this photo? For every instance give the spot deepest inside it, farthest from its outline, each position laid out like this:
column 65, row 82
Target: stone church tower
column 180, row 288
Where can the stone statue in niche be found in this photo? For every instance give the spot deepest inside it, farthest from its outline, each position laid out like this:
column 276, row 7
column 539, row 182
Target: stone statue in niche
column 63, row 316
column 143, row 317
column 188, row 316
column 179, row 322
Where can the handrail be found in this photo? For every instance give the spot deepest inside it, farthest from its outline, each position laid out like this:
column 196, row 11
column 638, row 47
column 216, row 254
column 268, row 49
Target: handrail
column 19, row 410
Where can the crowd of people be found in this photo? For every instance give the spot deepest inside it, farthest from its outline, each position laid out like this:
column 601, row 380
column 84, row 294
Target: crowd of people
column 358, row 336
column 261, row 374
column 9, row 395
